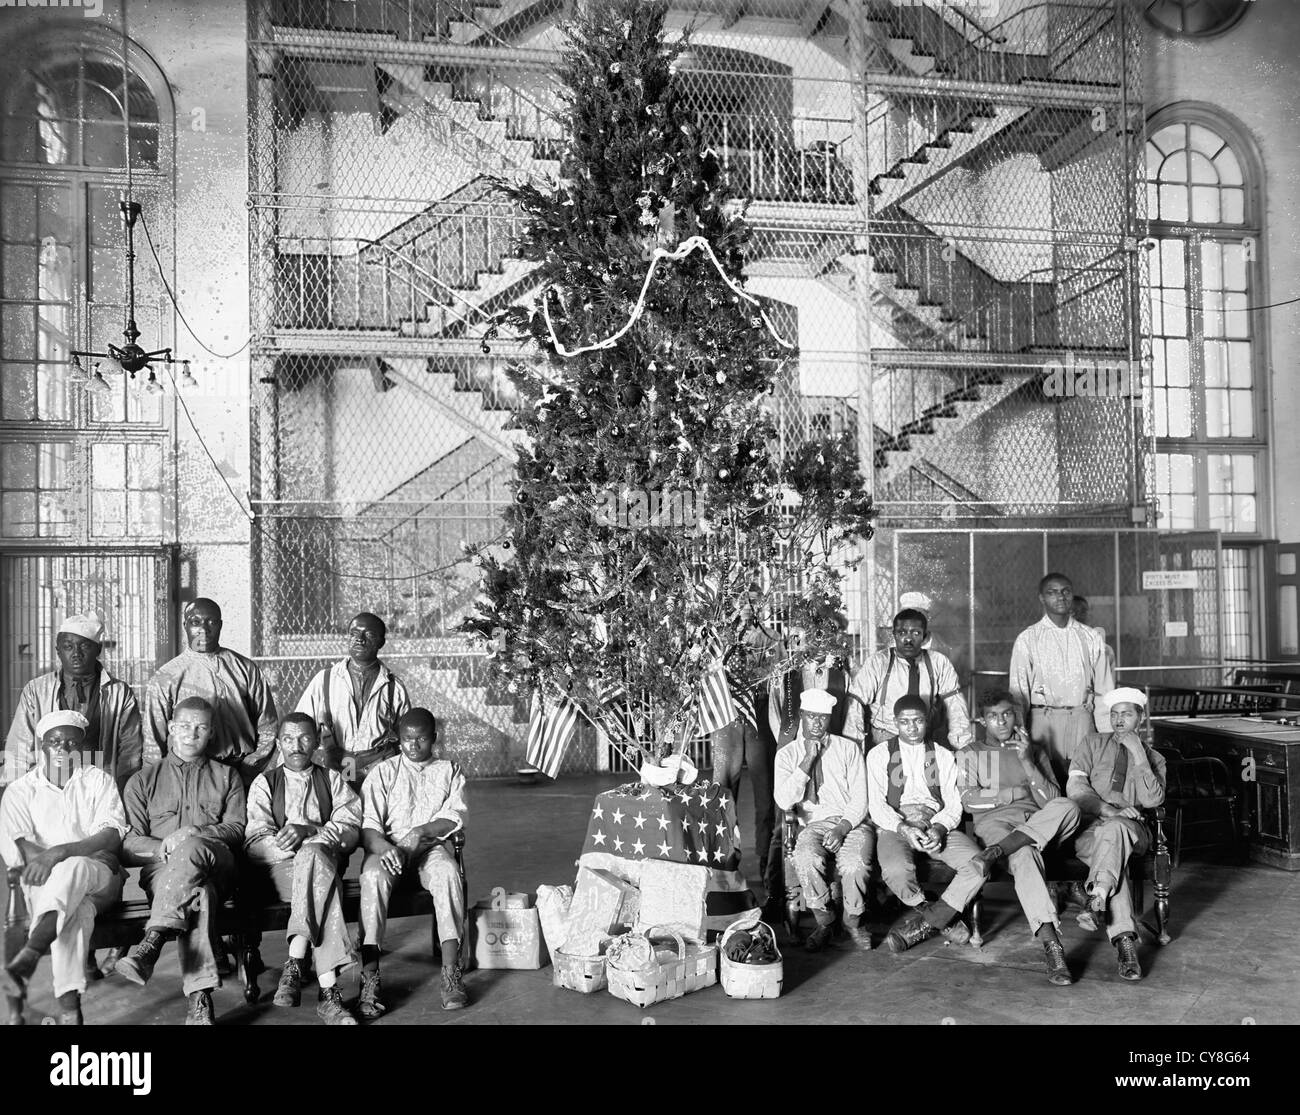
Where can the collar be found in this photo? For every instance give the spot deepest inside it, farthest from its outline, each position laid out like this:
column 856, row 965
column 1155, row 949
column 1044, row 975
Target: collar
column 1047, row 622
column 345, row 666
column 104, row 676
column 177, row 761
column 417, row 767
column 42, row 779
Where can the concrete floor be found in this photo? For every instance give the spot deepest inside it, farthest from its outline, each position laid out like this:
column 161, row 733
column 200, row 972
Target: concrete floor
column 1234, row 955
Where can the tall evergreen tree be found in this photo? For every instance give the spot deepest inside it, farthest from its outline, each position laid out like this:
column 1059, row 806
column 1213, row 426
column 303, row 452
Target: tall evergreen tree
column 648, row 501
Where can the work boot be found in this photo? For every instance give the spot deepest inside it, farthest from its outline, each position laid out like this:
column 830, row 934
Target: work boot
column 454, row 995
column 1126, row 946
column 369, row 1004
column 819, row 938
column 289, row 992
column 70, row 1010
column 859, row 934
column 330, row 1008
column 989, row 857
column 15, row 974
column 1098, row 897
column 1058, row 972
column 137, row 965
column 910, row 932
column 93, row 970
column 108, row 965
column 956, row 932
column 200, row 1009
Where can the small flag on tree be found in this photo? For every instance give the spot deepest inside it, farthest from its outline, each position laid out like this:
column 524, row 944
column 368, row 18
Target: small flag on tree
column 549, row 731
column 717, row 708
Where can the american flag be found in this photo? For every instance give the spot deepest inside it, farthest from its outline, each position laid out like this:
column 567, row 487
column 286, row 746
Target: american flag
column 684, row 824
column 551, row 723
column 717, row 708
column 743, row 699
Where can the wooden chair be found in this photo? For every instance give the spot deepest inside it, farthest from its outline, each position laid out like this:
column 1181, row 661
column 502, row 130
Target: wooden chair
column 1199, row 795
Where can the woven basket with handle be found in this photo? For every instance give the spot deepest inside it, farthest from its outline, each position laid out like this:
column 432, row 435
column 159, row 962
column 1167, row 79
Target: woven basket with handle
column 670, row 975
column 750, row 981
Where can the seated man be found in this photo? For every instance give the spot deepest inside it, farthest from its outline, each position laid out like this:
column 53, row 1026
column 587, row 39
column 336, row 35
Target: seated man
column 62, row 823
column 1019, row 811
column 822, row 776
column 303, row 822
column 412, row 803
column 1113, row 777
column 187, row 821
column 915, row 802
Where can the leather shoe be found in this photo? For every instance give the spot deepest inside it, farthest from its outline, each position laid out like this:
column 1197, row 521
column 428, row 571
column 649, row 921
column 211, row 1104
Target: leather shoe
column 200, row 1010
column 137, row 965
column 956, row 932
column 1058, row 972
column 819, row 938
column 1126, row 946
column 910, row 932
column 289, row 991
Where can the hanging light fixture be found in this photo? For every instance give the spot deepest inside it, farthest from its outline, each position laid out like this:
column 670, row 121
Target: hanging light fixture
column 187, row 377
column 129, row 358
column 96, row 384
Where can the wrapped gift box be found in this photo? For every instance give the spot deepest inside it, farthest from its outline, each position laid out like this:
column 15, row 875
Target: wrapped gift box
column 553, row 908
column 727, row 898
column 603, row 904
column 673, row 896
column 681, row 824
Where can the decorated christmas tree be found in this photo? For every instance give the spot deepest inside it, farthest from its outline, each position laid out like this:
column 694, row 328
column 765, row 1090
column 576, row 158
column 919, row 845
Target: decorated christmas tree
column 648, row 503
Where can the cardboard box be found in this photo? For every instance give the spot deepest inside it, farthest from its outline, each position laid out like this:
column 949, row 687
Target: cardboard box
column 603, row 904
column 508, row 938
column 674, row 896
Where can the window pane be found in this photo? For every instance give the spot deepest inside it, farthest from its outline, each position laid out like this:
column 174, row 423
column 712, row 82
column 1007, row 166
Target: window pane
column 1288, row 628
column 1203, row 141
column 1212, row 265
column 108, row 466
column 18, row 392
column 18, row 514
column 1216, row 414
column 18, row 214
column 1228, row 167
column 18, row 464
column 1203, row 172
column 1216, row 364
column 108, row 514
column 1176, row 364
column 1239, row 370
column 1234, row 207
column 1242, row 405
column 1234, row 267
column 1173, row 203
column 1205, row 205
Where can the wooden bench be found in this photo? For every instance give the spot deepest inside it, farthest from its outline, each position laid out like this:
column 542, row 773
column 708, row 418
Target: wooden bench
column 125, row 923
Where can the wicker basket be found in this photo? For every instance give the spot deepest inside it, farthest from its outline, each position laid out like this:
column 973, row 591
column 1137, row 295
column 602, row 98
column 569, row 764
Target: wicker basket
column 583, row 974
column 694, row 967
column 751, row 981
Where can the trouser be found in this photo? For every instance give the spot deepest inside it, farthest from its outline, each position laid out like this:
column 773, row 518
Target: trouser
column 435, row 871
column 852, row 863
column 184, row 892
column 1059, row 819
column 1060, row 731
column 1105, row 846
column 898, row 868
column 309, row 882
column 739, row 743
column 77, row 890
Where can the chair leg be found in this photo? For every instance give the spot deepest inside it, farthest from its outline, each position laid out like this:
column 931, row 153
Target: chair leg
column 1177, row 850
column 976, row 920
column 249, row 966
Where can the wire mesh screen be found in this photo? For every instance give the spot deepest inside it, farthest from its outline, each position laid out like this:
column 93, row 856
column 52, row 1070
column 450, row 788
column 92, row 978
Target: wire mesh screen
column 984, row 584
column 940, row 197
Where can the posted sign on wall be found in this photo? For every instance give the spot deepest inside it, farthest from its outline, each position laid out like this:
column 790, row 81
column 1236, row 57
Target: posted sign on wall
column 1159, row 580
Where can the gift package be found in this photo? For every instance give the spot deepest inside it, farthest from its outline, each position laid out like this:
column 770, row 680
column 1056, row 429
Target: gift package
column 603, row 904
column 507, row 933
column 673, row 896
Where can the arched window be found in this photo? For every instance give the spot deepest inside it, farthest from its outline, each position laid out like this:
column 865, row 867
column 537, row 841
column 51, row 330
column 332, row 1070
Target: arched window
column 71, row 115
column 1195, row 19
column 1202, row 191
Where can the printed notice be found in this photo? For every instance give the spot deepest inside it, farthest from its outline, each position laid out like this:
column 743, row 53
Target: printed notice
column 1155, row 580
column 1175, row 629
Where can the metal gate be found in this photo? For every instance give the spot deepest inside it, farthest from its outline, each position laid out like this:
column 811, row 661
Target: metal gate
column 984, row 589
column 133, row 589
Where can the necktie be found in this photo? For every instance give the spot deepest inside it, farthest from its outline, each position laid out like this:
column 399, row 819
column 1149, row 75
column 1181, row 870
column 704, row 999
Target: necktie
column 913, row 678
column 1119, row 773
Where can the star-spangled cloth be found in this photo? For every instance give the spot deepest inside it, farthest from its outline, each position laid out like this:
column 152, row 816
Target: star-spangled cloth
column 681, row 824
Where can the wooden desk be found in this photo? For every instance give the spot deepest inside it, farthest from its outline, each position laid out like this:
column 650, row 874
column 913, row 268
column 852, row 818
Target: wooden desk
column 1265, row 756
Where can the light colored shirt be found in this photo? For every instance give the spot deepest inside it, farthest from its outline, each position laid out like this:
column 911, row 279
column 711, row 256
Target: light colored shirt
column 915, row 790
column 341, row 828
column 841, row 793
column 872, row 688
column 398, row 796
column 118, row 748
column 36, row 810
column 244, row 722
column 1062, row 667
column 1092, row 768
column 330, row 700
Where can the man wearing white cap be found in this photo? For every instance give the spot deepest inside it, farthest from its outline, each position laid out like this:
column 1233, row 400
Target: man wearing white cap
column 244, row 719
column 1058, row 671
column 824, row 778
column 1113, row 777
column 62, row 825
column 80, row 683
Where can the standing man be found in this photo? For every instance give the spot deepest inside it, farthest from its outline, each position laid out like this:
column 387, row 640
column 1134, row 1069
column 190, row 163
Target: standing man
column 914, row 790
column 823, row 777
column 79, row 683
column 1113, row 777
column 1058, row 671
column 907, row 669
column 747, row 740
column 61, row 825
column 243, row 711
column 357, row 701
column 1018, row 811
column 187, row 817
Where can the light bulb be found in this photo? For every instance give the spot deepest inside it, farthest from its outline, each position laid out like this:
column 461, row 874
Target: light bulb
column 153, row 387
column 76, row 372
column 97, row 384
column 187, row 377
